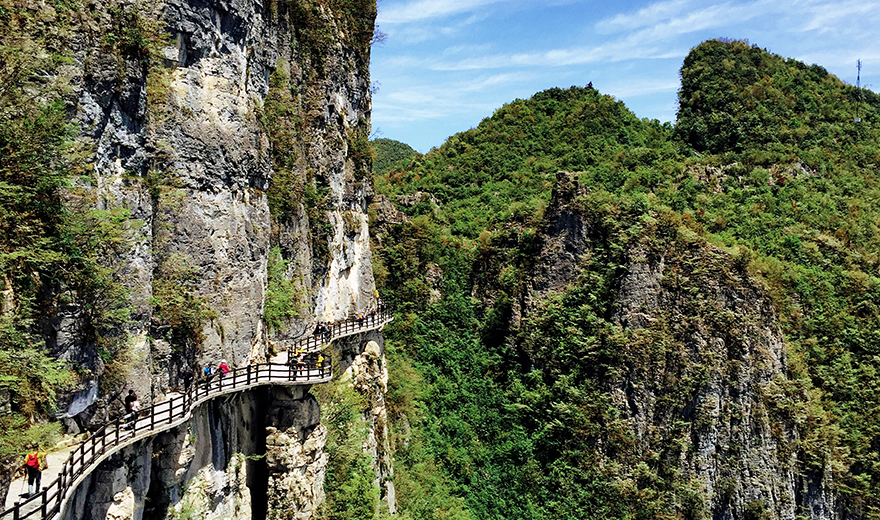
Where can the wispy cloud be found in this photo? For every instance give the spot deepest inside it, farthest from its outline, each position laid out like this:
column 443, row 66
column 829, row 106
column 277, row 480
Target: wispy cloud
column 420, row 31
column 835, row 17
column 430, row 101
column 494, row 81
column 643, row 17
column 426, row 9
column 456, row 50
column 638, row 87
column 628, row 49
column 654, row 41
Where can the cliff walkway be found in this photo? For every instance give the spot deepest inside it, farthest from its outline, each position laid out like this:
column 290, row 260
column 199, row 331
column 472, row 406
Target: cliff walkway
column 178, row 408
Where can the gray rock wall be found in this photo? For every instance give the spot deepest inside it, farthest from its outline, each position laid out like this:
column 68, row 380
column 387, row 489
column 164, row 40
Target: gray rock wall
column 176, row 126
column 705, row 364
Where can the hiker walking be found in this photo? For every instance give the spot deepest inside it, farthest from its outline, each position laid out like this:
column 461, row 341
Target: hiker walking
column 187, row 377
column 300, row 360
column 222, row 370
column 134, row 411
column 35, row 463
column 130, row 398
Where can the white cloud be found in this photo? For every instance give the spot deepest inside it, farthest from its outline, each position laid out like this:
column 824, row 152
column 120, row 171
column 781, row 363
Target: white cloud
column 397, row 113
column 467, row 49
column 638, row 87
column 842, row 17
column 425, row 9
column 492, row 82
column 421, row 31
column 643, row 17
column 656, row 41
column 629, row 49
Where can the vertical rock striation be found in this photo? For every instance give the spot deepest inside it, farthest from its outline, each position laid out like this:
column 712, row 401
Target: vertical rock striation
column 700, row 373
column 220, row 130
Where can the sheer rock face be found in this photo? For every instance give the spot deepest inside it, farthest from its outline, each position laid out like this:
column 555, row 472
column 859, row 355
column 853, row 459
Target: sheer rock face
column 180, row 142
column 704, row 355
column 295, row 458
column 368, row 374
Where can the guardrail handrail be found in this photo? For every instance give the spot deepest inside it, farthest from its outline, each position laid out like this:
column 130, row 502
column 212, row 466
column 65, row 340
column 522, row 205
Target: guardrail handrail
column 122, row 432
column 316, row 341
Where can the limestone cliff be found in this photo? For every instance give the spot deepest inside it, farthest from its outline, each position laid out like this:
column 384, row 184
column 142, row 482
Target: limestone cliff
column 222, row 131
column 700, row 366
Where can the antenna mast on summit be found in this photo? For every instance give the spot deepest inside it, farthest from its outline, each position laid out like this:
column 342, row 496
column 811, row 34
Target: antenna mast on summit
column 859, row 87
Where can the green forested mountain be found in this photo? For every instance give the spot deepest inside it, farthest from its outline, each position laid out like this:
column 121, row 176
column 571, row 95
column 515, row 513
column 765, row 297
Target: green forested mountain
column 505, row 167
column 579, row 345
column 388, row 153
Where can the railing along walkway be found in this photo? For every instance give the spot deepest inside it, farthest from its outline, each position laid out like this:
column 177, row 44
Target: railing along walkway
column 342, row 329
column 176, row 410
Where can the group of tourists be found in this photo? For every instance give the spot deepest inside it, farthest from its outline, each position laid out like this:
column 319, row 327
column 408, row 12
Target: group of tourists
column 300, row 356
column 221, row 370
column 325, row 330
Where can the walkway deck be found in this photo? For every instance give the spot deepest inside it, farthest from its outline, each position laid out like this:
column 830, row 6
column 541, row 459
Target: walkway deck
column 174, row 411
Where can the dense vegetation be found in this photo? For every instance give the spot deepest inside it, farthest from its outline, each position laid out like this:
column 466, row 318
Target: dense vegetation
column 388, row 153
column 51, row 252
column 499, row 417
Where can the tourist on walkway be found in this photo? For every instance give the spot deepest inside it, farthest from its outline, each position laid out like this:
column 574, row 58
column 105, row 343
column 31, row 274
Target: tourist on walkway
column 187, row 377
column 35, row 463
column 134, row 412
column 222, row 369
column 300, row 360
column 130, row 398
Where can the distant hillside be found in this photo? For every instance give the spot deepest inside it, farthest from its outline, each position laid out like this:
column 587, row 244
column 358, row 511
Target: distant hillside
column 687, row 325
column 735, row 97
column 388, row 153
column 506, row 165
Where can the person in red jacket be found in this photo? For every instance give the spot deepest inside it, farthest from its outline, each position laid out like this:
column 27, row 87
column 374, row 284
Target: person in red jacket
column 223, row 368
column 35, row 462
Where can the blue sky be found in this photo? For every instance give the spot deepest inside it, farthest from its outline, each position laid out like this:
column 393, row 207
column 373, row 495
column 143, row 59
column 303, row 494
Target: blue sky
column 447, row 64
